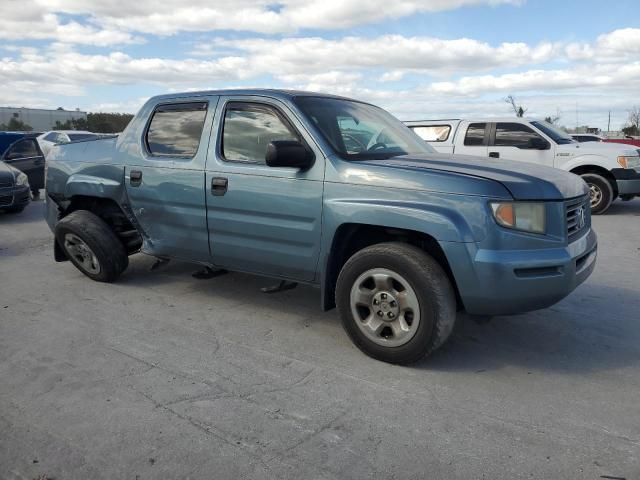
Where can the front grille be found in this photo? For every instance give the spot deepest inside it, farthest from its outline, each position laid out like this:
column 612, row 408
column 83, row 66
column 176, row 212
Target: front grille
column 6, row 183
column 577, row 216
column 6, row 200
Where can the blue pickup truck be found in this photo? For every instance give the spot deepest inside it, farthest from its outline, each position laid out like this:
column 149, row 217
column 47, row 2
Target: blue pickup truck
column 330, row 192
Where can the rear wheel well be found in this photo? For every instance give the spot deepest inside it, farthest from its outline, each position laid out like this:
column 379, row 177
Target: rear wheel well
column 603, row 172
column 353, row 237
column 109, row 211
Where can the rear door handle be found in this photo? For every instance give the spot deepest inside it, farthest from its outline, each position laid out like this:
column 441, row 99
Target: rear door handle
column 219, row 186
column 135, row 178
column 494, row 154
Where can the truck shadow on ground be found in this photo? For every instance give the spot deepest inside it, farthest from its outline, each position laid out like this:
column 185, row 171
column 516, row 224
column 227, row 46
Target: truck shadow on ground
column 629, row 208
column 593, row 329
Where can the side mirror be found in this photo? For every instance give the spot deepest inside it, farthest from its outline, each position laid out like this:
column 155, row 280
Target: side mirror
column 288, row 153
column 538, row 143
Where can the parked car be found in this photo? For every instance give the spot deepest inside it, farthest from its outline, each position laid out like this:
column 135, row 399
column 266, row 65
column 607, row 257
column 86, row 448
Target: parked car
column 330, row 192
column 587, row 137
column 26, row 156
column 626, row 141
column 610, row 170
column 51, row 138
column 7, row 138
column 14, row 189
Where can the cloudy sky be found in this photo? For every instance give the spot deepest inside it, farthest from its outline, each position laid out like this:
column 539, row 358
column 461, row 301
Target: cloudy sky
column 417, row 58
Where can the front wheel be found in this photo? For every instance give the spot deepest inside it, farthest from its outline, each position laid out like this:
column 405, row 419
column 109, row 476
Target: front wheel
column 600, row 192
column 91, row 246
column 396, row 302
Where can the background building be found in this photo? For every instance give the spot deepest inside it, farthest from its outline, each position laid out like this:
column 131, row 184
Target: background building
column 39, row 119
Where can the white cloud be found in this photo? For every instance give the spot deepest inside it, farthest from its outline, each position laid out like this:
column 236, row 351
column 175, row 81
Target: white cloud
column 408, row 75
column 23, row 20
column 615, row 77
column 388, row 51
column 619, row 45
column 265, row 16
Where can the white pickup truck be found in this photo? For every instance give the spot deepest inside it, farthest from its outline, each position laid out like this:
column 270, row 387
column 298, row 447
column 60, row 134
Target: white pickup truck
column 610, row 170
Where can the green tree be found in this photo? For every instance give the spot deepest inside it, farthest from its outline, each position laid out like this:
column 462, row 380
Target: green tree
column 15, row 125
column 633, row 122
column 97, row 123
column 108, row 122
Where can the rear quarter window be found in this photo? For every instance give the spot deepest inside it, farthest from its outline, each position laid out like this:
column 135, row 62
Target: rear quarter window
column 175, row 129
column 433, row 133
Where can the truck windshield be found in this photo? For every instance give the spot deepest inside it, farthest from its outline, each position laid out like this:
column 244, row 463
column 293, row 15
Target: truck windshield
column 358, row 131
column 559, row 136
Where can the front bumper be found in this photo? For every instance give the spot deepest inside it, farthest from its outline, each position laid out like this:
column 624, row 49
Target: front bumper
column 506, row 282
column 628, row 180
column 16, row 196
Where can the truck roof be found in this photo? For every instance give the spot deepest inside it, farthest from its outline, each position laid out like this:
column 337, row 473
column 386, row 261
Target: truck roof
column 277, row 93
column 474, row 119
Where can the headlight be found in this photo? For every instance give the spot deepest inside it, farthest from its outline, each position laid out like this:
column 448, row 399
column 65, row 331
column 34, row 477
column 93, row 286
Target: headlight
column 22, row 179
column 525, row 216
column 629, row 162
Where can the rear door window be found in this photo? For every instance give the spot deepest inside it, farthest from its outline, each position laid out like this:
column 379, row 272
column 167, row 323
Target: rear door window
column 249, row 128
column 433, row 133
column 475, row 134
column 513, row 135
column 175, row 129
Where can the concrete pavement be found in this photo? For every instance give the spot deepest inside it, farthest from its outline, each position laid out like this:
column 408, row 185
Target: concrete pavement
column 164, row 376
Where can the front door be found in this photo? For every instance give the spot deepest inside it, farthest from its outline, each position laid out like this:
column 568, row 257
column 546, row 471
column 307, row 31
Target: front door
column 165, row 177
column 26, row 156
column 262, row 219
column 516, row 141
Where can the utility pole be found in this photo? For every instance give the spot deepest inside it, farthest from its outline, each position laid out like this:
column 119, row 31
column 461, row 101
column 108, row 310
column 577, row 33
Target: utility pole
column 609, row 123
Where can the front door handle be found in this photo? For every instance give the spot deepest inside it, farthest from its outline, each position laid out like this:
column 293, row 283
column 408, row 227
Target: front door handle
column 494, row 154
column 219, row 186
column 135, row 178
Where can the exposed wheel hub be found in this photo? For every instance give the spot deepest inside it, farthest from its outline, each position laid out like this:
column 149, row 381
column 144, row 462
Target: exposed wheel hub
column 80, row 251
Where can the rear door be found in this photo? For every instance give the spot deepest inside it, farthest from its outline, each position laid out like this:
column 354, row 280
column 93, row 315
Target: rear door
column 164, row 177
column 517, row 141
column 26, row 156
column 472, row 138
column 262, row 219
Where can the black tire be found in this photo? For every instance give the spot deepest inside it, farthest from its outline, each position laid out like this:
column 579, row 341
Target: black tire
column 435, row 294
column 600, row 189
column 101, row 240
column 14, row 210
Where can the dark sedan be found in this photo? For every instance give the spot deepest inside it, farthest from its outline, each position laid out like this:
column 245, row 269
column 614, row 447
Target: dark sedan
column 26, row 156
column 14, row 189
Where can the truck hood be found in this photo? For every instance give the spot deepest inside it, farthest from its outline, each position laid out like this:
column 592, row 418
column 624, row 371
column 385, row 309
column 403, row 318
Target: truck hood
column 525, row 181
column 599, row 148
